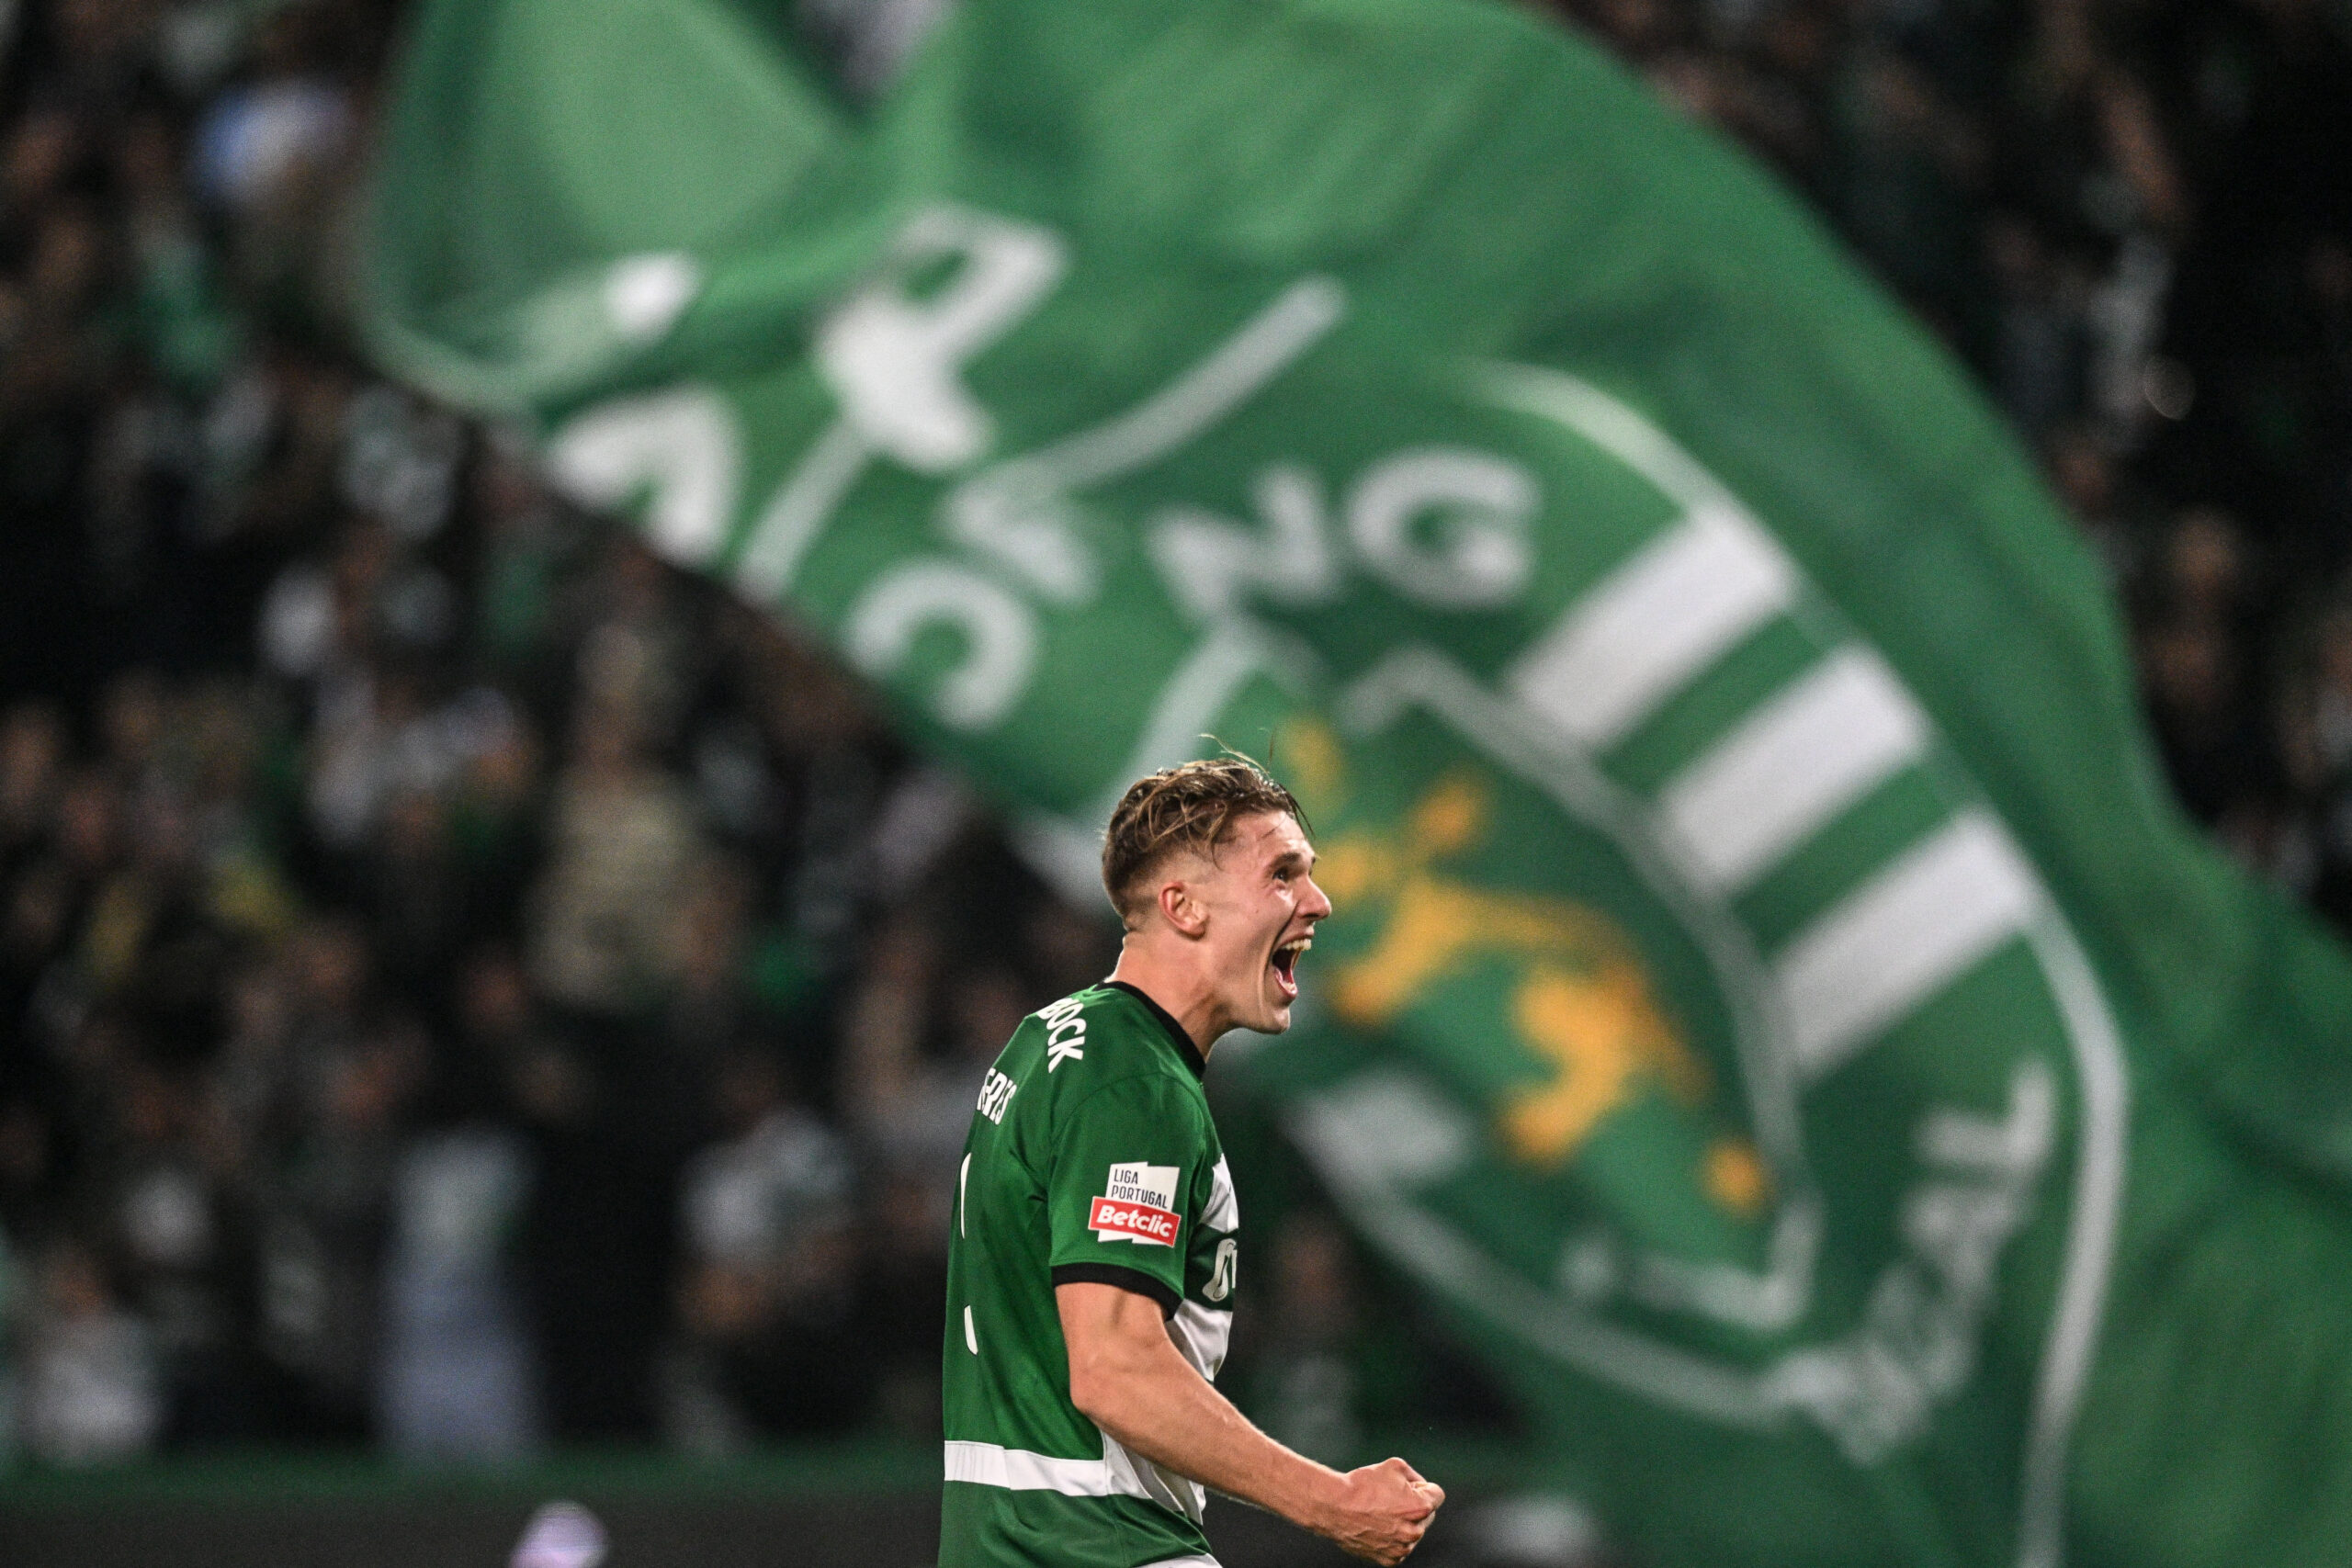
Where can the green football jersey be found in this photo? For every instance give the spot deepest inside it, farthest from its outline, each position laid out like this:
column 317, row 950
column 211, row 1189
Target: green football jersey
column 1091, row 1157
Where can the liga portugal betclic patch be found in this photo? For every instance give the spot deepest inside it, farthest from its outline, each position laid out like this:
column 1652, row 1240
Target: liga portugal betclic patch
column 1139, row 1205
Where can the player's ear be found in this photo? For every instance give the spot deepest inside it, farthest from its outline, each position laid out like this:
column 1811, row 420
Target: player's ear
column 1182, row 908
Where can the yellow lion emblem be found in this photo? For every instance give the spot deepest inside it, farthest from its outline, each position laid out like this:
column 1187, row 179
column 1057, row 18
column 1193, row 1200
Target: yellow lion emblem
column 1583, row 1004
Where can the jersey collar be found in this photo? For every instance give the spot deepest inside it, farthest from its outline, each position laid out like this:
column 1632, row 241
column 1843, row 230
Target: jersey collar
column 1176, row 1036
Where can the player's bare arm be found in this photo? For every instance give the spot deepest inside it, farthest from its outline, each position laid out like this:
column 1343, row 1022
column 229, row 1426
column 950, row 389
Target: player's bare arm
column 1127, row 1379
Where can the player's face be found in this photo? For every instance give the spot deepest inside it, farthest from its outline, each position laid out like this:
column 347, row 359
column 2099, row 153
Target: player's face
column 1264, row 910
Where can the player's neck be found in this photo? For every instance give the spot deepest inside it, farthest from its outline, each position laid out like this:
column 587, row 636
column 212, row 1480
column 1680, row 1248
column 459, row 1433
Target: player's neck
column 1182, row 992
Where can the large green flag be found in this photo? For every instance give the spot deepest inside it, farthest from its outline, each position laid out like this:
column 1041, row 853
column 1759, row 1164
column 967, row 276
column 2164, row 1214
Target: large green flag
column 1771, row 1010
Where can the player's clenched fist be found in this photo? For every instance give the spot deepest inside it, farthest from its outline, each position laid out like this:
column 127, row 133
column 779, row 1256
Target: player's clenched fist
column 1383, row 1510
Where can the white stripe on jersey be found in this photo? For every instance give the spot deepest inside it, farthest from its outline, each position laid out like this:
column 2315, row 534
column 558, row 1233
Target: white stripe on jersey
column 1117, row 1473
column 1201, row 1334
column 1223, row 1213
column 1018, row 1470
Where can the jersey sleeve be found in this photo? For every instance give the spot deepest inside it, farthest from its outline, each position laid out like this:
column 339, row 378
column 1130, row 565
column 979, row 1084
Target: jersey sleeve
column 1120, row 1193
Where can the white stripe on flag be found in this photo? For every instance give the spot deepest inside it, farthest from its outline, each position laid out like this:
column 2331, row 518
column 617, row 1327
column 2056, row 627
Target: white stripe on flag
column 1902, row 937
column 1814, row 749
column 1625, row 647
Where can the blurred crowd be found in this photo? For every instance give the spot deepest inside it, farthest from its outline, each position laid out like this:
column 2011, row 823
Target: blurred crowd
column 465, row 987
column 468, row 986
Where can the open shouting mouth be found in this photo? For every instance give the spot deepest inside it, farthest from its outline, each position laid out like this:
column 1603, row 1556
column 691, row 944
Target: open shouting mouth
column 1285, row 964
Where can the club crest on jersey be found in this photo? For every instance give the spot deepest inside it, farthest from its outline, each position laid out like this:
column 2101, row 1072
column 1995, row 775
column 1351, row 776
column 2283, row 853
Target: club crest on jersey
column 1139, row 1205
